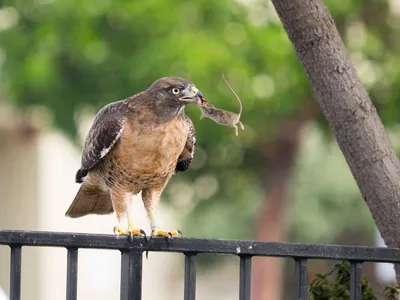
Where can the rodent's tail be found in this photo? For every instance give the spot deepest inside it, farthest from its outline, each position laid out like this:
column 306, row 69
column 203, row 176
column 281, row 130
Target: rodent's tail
column 237, row 97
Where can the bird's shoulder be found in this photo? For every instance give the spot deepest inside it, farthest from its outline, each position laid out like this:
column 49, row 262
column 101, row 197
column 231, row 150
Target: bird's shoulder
column 105, row 131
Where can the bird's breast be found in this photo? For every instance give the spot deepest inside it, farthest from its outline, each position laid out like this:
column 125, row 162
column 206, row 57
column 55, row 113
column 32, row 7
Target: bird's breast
column 151, row 149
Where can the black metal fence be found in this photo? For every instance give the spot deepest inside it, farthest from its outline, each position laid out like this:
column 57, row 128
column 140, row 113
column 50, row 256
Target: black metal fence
column 132, row 255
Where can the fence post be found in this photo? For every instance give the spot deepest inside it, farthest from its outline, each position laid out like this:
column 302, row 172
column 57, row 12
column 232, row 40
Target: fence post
column 301, row 279
column 355, row 280
column 131, row 274
column 15, row 273
column 190, row 276
column 72, row 273
column 245, row 277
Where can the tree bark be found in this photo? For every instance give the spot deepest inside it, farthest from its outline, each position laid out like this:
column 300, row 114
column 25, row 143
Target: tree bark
column 345, row 103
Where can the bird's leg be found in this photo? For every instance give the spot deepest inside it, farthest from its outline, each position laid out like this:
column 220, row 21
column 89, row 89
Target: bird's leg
column 122, row 207
column 150, row 201
column 156, row 231
column 117, row 228
column 131, row 230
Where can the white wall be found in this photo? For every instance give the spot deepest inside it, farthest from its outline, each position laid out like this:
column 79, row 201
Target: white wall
column 3, row 295
column 36, row 187
column 18, row 203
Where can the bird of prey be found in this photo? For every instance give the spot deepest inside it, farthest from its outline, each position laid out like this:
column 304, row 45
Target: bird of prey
column 136, row 145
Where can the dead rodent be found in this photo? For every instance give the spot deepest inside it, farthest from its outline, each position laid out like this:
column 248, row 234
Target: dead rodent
column 221, row 116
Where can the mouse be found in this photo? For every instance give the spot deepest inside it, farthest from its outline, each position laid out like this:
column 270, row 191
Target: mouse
column 221, row 116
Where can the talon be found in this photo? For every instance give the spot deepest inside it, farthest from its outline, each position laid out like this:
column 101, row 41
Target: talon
column 157, row 232
column 176, row 233
column 136, row 232
column 145, row 236
column 167, row 234
column 130, row 236
column 148, row 245
column 130, row 232
column 117, row 230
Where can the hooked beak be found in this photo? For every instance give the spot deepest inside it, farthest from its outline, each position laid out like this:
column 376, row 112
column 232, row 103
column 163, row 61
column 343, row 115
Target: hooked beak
column 191, row 94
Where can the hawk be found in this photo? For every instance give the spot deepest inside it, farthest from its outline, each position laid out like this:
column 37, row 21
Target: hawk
column 136, row 145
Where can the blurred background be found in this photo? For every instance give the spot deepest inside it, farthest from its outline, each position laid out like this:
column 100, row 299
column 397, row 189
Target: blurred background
column 282, row 179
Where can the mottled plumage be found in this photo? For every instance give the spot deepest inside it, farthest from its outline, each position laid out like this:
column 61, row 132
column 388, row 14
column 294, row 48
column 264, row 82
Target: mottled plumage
column 186, row 157
column 136, row 145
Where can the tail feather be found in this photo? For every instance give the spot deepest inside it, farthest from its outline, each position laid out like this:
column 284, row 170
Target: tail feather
column 90, row 200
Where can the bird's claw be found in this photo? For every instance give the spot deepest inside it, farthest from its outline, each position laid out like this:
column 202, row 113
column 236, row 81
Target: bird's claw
column 117, row 230
column 131, row 232
column 130, row 235
column 167, row 234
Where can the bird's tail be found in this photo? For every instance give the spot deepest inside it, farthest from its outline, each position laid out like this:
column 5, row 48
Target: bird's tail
column 90, row 200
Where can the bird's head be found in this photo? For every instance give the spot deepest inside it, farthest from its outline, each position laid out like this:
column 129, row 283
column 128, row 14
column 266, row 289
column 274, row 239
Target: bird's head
column 176, row 91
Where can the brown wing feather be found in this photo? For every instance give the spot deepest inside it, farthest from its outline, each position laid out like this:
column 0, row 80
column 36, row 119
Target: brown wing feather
column 104, row 133
column 186, row 157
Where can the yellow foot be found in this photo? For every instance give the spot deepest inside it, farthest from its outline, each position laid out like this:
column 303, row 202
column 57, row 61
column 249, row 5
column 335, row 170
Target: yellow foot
column 167, row 234
column 129, row 232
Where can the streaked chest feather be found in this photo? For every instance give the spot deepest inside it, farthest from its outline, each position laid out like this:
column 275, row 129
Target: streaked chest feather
column 151, row 149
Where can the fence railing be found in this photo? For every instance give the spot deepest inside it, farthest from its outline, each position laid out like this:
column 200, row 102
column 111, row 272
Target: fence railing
column 132, row 255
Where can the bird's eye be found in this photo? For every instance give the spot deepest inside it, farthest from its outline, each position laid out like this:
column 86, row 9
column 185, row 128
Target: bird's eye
column 175, row 91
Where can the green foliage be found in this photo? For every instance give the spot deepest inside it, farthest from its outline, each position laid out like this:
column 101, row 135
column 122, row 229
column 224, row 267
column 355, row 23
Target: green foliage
column 72, row 55
column 68, row 56
column 323, row 184
column 392, row 292
column 322, row 289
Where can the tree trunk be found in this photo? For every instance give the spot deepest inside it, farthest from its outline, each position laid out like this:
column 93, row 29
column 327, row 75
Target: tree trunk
column 280, row 155
column 351, row 115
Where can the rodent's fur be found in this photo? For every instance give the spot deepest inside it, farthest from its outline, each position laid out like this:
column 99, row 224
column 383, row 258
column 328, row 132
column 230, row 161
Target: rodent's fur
column 221, row 116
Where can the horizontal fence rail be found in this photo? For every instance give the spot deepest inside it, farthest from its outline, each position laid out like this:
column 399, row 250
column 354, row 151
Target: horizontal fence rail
column 132, row 256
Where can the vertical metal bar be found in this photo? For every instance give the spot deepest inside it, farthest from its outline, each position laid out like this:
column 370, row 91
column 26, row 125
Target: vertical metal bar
column 190, row 276
column 124, row 275
column 355, row 280
column 15, row 273
column 135, row 275
column 245, row 278
column 131, row 275
column 72, row 273
column 301, row 279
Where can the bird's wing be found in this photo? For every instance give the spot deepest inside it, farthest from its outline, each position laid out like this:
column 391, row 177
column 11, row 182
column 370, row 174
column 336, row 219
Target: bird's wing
column 186, row 156
column 104, row 133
